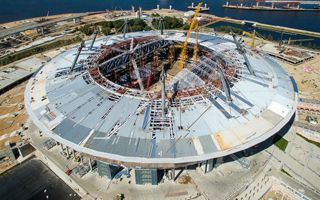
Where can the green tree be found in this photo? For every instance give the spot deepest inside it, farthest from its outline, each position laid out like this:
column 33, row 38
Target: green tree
column 169, row 23
column 106, row 30
column 117, row 24
column 186, row 27
column 87, row 29
column 228, row 29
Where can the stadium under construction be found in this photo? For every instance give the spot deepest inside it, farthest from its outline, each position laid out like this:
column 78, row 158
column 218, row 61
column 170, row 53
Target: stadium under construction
column 127, row 102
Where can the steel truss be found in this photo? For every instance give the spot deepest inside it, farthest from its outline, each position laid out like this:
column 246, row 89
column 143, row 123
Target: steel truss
column 141, row 51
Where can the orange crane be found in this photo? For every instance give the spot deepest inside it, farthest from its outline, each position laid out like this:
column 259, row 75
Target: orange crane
column 193, row 24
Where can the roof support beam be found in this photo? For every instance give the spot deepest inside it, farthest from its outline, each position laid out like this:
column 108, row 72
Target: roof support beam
column 94, row 39
column 77, row 56
column 243, row 53
column 224, row 81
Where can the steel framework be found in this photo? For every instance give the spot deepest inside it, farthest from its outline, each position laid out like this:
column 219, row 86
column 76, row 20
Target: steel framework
column 140, row 52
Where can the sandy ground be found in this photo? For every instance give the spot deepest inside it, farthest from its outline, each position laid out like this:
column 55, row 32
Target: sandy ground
column 307, row 81
column 307, row 75
column 20, row 22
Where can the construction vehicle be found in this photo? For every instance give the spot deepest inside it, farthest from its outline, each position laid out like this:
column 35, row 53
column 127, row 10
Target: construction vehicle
column 68, row 171
column 119, row 196
column 193, row 25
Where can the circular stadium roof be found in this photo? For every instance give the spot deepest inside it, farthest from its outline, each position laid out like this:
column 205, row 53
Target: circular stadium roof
column 111, row 104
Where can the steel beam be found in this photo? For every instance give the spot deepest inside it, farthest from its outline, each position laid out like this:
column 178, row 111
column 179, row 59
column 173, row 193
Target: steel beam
column 225, row 85
column 141, row 51
column 136, row 71
column 94, row 39
column 243, row 53
column 77, row 56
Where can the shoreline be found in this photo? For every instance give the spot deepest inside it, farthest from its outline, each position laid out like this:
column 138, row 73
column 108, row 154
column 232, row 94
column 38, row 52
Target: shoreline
column 269, row 27
column 266, row 8
column 50, row 17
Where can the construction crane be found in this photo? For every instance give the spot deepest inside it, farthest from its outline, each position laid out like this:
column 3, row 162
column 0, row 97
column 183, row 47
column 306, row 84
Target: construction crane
column 284, row 48
column 290, row 41
column 196, row 44
column 254, row 36
column 185, row 44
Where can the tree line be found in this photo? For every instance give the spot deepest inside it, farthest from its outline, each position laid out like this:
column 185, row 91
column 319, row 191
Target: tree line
column 37, row 49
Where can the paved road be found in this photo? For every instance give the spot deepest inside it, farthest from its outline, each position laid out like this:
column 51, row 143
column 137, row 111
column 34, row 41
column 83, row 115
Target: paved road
column 33, row 25
column 32, row 180
column 302, row 172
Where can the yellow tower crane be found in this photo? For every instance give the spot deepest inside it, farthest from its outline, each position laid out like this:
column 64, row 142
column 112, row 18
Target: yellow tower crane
column 193, row 24
column 251, row 35
column 196, row 44
column 254, row 36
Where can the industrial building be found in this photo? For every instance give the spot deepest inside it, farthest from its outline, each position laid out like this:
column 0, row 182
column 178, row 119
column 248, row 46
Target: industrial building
column 127, row 103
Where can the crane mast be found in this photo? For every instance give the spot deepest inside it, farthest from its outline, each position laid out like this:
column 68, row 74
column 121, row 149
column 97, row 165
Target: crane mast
column 185, row 44
column 196, row 44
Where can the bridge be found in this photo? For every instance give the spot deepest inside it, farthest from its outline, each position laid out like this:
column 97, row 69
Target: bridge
column 34, row 25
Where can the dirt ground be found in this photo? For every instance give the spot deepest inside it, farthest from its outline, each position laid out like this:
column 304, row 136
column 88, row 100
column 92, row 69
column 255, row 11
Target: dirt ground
column 275, row 195
column 12, row 113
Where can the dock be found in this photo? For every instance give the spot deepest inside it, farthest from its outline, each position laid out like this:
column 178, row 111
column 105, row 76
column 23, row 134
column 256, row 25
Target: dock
column 204, row 8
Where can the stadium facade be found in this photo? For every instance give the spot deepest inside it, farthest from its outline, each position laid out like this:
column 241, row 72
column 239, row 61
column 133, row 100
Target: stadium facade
column 122, row 101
